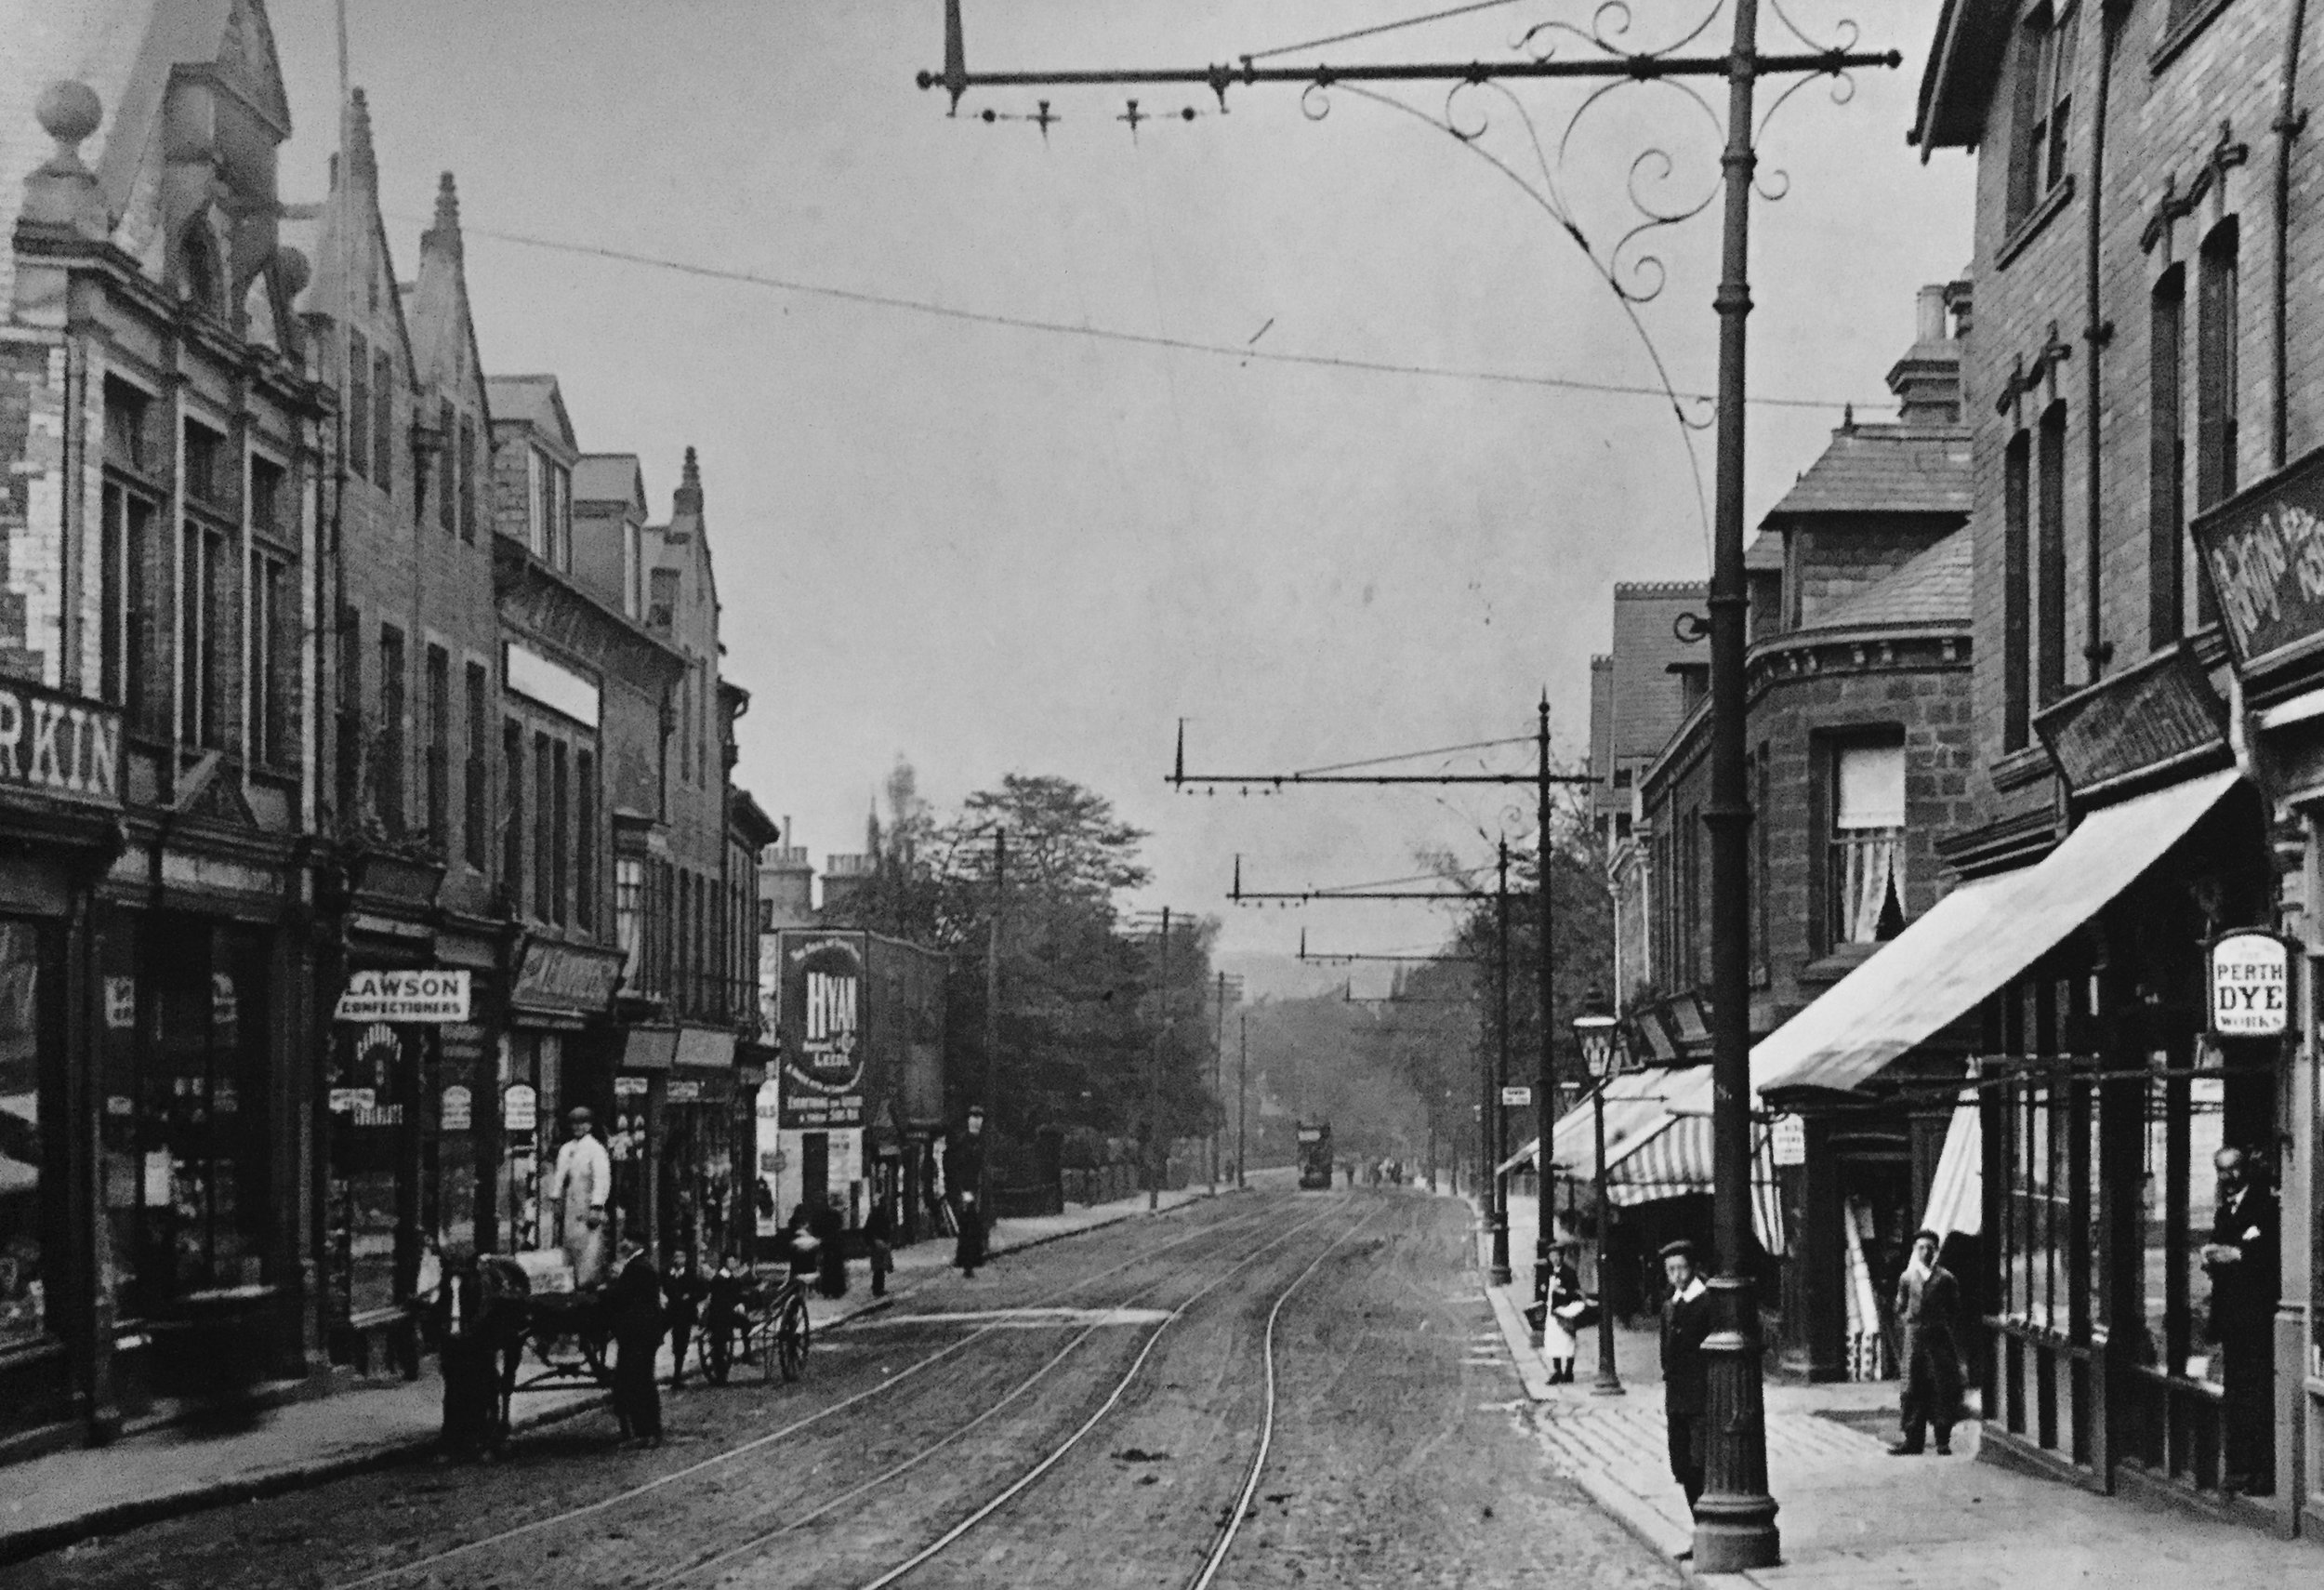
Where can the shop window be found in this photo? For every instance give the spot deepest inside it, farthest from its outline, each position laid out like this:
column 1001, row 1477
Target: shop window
column 1867, row 868
column 186, row 1126
column 531, row 1093
column 475, row 794
column 374, row 1175
column 31, row 1077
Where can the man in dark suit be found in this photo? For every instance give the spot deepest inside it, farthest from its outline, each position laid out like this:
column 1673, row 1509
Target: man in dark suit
column 1928, row 1313
column 2243, row 1260
column 634, row 1300
column 1685, row 1388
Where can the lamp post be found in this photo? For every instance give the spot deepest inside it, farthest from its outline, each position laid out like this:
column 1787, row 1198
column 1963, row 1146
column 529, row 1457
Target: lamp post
column 1601, row 1052
column 1496, row 1120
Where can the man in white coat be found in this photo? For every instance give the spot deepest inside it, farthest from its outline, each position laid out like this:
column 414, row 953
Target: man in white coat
column 578, row 1187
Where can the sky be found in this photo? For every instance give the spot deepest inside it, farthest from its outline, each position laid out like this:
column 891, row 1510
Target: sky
column 988, row 548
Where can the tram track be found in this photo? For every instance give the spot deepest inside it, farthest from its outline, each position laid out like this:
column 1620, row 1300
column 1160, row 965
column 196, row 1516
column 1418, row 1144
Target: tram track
column 741, row 1549
column 1227, row 1228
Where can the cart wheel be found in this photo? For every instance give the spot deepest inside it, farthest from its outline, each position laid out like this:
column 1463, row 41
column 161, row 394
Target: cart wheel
column 717, row 1356
column 791, row 1331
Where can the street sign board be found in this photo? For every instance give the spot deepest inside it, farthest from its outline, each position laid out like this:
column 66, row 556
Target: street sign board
column 1516, row 1097
column 1788, row 1136
column 430, row 996
column 2250, row 986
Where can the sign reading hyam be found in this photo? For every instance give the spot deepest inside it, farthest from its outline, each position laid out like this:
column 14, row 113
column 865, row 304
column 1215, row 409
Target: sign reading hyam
column 405, row 996
column 2250, row 986
column 58, row 745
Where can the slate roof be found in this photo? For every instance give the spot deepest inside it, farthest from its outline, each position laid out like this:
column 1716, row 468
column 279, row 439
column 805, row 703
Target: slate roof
column 1764, row 554
column 1932, row 588
column 1883, row 469
column 533, row 400
column 608, row 477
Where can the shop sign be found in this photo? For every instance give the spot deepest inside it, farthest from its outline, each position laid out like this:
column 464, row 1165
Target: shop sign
column 430, row 996
column 822, row 1009
column 352, row 1101
column 1516, row 1097
column 625, row 1086
column 682, row 1092
column 568, row 976
column 457, row 1109
column 2265, row 552
column 1786, row 1135
column 518, row 1106
column 121, row 1003
column 59, row 746
column 2250, row 986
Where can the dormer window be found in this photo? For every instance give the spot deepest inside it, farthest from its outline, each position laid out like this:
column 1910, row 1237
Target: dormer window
column 548, row 510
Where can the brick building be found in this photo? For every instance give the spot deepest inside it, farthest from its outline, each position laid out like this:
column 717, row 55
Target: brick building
column 160, row 792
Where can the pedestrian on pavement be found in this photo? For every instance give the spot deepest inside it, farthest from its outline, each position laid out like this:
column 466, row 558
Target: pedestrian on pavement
column 1564, row 1301
column 683, row 1294
column 635, row 1301
column 578, row 1187
column 1928, row 1318
column 968, row 1249
column 964, row 1176
column 1686, row 1380
column 879, row 1232
column 2243, row 1263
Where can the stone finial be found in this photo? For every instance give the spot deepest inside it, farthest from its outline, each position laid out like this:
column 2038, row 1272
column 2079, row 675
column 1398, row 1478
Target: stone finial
column 445, row 233
column 359, row 149
column 689, row 495
column 62, row 191
column 291, row 266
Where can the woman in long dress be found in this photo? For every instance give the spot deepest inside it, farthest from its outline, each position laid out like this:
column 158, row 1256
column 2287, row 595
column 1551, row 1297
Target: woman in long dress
column 1557, row 1334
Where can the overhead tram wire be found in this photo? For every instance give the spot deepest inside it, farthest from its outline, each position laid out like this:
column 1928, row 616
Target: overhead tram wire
column 1116, row 334
column 1379, row 29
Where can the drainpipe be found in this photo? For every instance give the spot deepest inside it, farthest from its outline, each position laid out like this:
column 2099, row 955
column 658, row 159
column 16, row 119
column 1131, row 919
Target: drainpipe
column 2288, row 123
column 2098, row 332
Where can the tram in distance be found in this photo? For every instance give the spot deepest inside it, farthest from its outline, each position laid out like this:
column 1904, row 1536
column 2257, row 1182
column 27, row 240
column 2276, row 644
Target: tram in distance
column 1315, row 1156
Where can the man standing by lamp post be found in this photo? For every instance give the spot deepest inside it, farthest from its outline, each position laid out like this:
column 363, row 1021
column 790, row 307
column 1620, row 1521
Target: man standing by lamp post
column 1601, row 1050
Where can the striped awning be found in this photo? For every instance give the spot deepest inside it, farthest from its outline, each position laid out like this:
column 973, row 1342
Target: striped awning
column 1636, row 1107
column 1675, row 1161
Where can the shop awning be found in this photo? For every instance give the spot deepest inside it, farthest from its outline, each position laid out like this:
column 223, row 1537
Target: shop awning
column 1634, row 1101
column 1974, row 941
column 1674, row 1162
column 649, row 1049
column 1957, row 1191
column 709, row 1049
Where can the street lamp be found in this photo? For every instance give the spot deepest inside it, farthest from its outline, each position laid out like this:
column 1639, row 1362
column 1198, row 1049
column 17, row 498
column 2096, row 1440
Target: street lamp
column 1602, row 1052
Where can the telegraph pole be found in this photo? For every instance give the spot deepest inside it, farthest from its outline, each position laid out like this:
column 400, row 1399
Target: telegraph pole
column 1242, row 1096
column 1156, row 1156
column 1496, row 1117
column 1218, row 1064
column 1545, row 1089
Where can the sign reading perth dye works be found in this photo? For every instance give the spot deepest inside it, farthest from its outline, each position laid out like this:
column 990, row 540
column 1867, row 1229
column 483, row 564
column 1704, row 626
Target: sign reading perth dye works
column 2250, row 986
column 405, row 996
column 2265, row 552
column 822, row 1055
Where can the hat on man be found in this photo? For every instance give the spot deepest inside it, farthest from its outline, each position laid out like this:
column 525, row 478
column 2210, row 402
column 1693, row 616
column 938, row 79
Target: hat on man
column 1681, row 1248
column 1931, row 1238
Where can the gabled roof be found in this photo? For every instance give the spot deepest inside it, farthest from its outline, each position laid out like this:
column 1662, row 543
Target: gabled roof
column 610, row 477
column 1764, row 554
column 1965, row 67
column 127, row 51
column 1883, row 469
column 1932, row 588
column 531, row 400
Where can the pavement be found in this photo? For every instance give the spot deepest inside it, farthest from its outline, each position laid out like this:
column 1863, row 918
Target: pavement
column 50, row 1501
column 1853, row 1515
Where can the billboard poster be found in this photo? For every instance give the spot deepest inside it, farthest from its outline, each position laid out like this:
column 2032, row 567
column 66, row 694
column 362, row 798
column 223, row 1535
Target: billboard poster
column 823, row 1054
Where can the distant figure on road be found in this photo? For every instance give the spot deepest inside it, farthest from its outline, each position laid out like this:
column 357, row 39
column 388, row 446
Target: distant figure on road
column 1928, row 1315
column 1685, row 1389
column 879, row 1232
column 830, row 1228
column 964, row 1166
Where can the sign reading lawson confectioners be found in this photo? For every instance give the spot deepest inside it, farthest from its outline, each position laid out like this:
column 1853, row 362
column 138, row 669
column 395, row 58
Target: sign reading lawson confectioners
column 2264, row 549
column 405, row 996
